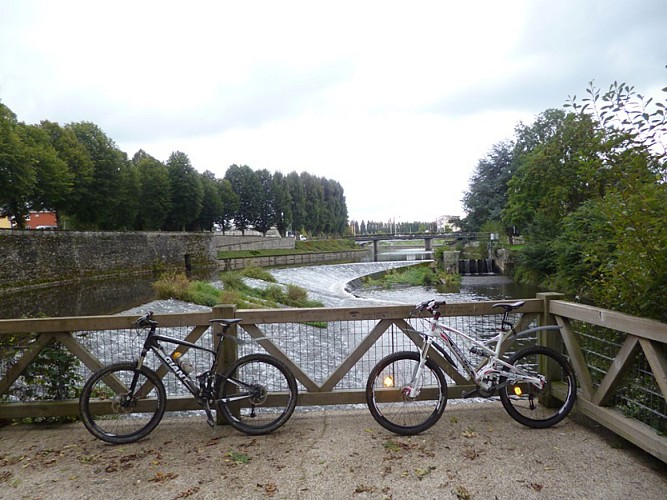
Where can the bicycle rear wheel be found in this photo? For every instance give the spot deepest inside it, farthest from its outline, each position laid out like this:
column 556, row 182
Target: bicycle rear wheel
column 388, row 399
column 113, row 413
column 262, row 394
column 535, row 406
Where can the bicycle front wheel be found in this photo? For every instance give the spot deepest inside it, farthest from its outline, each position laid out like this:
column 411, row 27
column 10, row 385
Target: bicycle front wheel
column 539, row 405
column 389, row 399
column 258, row 394
column 121, row 404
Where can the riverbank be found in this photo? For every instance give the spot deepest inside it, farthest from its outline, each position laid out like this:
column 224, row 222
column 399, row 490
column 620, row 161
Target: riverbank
column 475, row 451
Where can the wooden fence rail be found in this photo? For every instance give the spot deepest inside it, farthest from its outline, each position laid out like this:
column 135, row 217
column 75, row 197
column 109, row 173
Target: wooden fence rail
column 361, row 336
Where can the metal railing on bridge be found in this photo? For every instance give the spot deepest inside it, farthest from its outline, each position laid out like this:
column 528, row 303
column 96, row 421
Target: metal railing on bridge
column 620, row 360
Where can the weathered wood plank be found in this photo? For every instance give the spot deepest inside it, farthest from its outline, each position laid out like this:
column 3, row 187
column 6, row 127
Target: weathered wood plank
column 576, row 357
column 28, row 356
column 91, row 323
column 658, row 363
column 641, row 327
column 80, row 351
column 356, row 355
column 274, row 350
column 614, row 376
column 628, row 428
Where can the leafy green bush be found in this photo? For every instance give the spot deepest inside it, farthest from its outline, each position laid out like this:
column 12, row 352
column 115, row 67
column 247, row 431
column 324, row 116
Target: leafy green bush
column 258, row 273
column 172, row 285
column 52, row 375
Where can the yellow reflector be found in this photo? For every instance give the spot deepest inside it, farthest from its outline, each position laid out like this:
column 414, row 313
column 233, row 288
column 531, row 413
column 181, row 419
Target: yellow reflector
column 388, row 381
column 517, row 390
column 176, row 355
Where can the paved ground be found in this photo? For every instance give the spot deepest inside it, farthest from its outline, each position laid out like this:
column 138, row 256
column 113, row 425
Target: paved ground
column 475, row 451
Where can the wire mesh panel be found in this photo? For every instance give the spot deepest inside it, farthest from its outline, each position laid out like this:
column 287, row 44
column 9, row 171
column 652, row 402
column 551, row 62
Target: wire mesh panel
column 638, row 396
column 112, row 346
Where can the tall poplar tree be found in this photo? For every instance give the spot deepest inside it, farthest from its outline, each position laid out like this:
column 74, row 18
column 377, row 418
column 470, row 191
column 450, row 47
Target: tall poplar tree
column 245, row 184
column 187, row 192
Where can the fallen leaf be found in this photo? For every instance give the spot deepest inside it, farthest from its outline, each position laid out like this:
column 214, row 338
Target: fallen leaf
column 422, row 473
column 270, row 489
column 462, row 493
column 187, row 493
column 362, row 488
column 161, row 476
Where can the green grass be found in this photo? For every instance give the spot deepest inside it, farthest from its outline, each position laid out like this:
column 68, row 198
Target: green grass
column 236, row 291
column 420, row 275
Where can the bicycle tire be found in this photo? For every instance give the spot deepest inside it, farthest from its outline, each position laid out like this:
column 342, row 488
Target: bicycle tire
column 393, row 409
column 272, row 394
column 535, row 407
column 121, row 422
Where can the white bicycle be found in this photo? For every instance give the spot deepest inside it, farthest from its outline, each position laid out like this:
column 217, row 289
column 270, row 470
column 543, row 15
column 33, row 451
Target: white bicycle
column 407, row 390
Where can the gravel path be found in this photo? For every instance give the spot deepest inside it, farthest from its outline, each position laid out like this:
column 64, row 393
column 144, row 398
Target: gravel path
column 475, row 451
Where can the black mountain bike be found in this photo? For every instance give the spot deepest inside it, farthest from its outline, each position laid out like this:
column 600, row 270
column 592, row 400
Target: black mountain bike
column 125, row 401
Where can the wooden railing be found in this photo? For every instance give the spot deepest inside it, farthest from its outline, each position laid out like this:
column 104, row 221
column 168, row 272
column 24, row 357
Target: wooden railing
column 331, row 350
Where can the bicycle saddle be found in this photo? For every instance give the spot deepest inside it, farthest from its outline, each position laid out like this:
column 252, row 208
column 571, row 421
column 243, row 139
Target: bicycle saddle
column 511, row 305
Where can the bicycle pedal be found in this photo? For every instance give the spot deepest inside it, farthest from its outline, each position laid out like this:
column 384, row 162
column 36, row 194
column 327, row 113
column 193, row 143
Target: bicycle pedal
column 211, row 421
column 474, row 392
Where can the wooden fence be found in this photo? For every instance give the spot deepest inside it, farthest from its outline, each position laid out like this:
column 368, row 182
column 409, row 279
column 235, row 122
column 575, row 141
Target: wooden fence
column 342, row 344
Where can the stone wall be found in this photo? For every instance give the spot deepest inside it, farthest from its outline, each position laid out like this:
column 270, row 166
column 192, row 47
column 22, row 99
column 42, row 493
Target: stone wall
column 29, row 258
column 306, row 259
column 227, row 243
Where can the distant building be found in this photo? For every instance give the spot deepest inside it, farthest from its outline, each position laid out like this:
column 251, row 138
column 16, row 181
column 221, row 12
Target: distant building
column 447, row 220
column 41, row 220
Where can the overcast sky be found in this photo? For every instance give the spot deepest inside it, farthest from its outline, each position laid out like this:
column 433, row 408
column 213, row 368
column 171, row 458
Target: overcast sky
column 397, row 101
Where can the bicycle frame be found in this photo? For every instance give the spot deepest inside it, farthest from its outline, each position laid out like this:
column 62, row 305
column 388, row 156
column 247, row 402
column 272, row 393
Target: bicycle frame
column 476, row 373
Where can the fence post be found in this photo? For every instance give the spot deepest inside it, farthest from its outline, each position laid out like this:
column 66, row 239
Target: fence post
column 229, row 352
column 549, row 338
column 546, row 338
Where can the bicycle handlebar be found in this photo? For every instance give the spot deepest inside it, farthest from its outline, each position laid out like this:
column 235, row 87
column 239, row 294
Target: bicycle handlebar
column 145, row 320
column 431, row 306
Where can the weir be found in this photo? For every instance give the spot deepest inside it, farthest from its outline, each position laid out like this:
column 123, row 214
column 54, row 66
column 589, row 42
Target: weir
column 476, row 266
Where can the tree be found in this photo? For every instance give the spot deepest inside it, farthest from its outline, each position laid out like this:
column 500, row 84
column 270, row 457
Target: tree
column 17, row 173
column 187, row 192
column 553, row 174
column 487, row 195
column 212, row 205
column 245, row 184
column 627, row 272
column 313, row 203
column 265, row 216
column 230, row 204
column 334, row 210
column 282, row 203
column 298, row 197
column 154, row 192
column 104, row 206
column 79, row 164
column 53, row 180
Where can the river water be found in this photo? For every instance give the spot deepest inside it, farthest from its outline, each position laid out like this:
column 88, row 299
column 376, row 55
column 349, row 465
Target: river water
column 329, row 284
